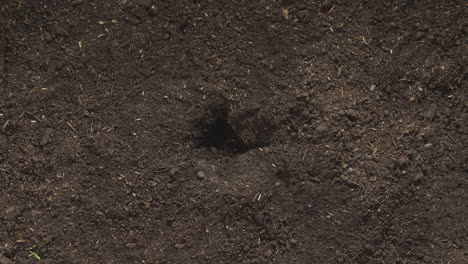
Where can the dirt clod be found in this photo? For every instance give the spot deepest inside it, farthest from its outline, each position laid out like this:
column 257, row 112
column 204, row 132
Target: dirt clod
column 327, row 5
column 5, row 260
column 77, row 2
column 321, row 128
column 132, row 20
column 402, row 161
column 418, row 177
column 201, row 175
column 419, row 35
column 145, row 3
column 46, row 137
column 259, row 217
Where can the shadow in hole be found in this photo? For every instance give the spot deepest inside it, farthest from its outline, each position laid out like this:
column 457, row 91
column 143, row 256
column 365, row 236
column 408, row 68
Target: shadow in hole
column 220, row 135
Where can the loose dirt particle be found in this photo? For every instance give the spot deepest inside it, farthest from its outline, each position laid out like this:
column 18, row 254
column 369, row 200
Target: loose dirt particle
column 77, row 2
column 46, row 137
column 428, row 145
column 402, row 162
column 201, row 175
column 321, row 128
column 5, row 260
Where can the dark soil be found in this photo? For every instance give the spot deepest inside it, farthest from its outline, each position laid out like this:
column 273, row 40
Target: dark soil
column 267, row 131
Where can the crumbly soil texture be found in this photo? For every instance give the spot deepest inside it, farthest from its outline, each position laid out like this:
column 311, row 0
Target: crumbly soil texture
column 250, row 131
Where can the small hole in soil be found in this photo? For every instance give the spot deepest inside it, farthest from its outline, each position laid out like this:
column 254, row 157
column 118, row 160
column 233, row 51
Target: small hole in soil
column 222, row 136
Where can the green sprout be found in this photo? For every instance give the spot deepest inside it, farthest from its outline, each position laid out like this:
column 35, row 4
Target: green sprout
column 38, row 245
column 34, row 254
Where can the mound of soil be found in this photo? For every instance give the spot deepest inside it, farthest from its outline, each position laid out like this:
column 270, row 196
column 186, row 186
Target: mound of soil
column 273, row 131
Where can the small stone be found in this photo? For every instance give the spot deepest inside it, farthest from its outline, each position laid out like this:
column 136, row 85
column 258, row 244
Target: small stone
column 91, row 107
column 3, row 139
column 201, row 164
column 36, row 212
column 246, row 248
column 35, row 159
column 352, row 115
column 418, row 177
column 48, row 38
column 321, row 128
column 459, row 243
column 307, row 18
column 166, row 36
column 145, row 3
column 427, row 259
column 59, row 66
column 131, row 245
column 46, row 137
column 430, row 114
column 369, row 248
column 91, row 170
column 326, row 5
column 77, row 2
column 153, row 10
column 402, row 162
column 133, row 21
column 428, row 145
column 43, row 187
column 285, row 13
column 201, row 175
column 11, row 212
column 173, row 171
column 372, row 87
column 268, row 253
column 61, row 32
column 302, row 95
column 419, row 35
column 293, row 241
column 302, row 14
column 259, row 218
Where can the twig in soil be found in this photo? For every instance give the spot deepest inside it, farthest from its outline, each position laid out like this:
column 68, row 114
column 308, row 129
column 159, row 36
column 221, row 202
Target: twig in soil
column 305, row 152
column 394, row 143
column 453, row 140
column 162, row 169
column 6, row 124
column 30, row 115
column 315, row 179
column 68, row 124
column 365, row 42
column 386, row 49
column 143, row 173
column 257, row 197
column 452, row 158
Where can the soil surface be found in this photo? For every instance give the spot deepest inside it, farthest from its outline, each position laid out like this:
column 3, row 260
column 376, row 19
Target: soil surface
column 206, row 131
